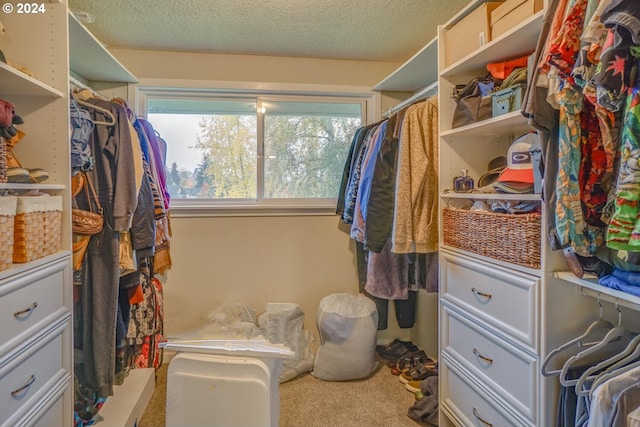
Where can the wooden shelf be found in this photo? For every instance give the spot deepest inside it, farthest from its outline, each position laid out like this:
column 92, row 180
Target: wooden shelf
column 591, row 287
column 520, row 41
column 12, row 186
column 89, row 58
column 492, row 196
column 420, row 70
column 21, row 268
column 129, row 401
column 14, row 82
column 513, row 123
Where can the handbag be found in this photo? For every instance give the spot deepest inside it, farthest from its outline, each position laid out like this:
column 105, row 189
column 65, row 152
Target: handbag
column 472, row 104
column 87, row 222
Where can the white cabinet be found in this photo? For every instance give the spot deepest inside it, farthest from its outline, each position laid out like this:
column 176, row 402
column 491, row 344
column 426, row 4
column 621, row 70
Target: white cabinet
column 497, row 319
column 35, row 297
column 35, row 355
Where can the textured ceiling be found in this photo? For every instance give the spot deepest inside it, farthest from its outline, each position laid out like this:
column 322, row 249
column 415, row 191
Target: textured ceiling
column 377, row 30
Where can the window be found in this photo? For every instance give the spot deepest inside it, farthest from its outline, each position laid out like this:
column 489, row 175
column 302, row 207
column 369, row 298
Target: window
column 254, row 151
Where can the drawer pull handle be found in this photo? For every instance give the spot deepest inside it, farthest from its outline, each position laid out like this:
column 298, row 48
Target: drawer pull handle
column 485, row 358
column 482, row 294
column 26, row 312
column 17, row 391
column 479, row 418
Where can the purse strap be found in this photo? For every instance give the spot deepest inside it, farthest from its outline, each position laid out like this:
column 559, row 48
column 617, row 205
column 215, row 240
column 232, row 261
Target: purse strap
column 93, row 193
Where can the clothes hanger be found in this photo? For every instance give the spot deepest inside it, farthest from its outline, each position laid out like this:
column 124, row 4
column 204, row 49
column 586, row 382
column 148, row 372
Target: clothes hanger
column 629, row 354
column 106, row 112
column 627, row 363
column 597, row 328
column 614, row 373
column 616, row 335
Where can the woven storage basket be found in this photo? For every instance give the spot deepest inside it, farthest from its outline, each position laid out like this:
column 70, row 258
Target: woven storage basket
column 7, row 215
column 513, row 238
column 38, row 227
column 3, row 161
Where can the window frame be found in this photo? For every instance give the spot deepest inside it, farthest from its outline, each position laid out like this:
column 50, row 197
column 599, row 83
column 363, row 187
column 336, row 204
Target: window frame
column 261, row 206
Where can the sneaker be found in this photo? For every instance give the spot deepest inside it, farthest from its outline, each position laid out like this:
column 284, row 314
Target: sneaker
column 18, row 176
column 395, row 349
column 38, row 175
column 414, row 387
column 419, row 372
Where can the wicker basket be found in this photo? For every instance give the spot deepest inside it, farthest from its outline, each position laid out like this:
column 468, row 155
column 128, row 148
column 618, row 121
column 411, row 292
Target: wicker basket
column 513, row 238
column 7, row 215
column 3, row 161
column 38, row 227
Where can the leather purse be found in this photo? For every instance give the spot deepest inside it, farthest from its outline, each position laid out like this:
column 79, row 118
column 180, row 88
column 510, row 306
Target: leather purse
column 87, row 222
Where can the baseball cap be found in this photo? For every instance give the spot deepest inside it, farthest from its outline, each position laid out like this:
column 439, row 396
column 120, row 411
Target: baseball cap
column 519, row 162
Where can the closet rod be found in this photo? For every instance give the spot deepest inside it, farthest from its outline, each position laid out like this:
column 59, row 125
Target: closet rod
column 620, row 302
column 422, row 93
column 78, row 84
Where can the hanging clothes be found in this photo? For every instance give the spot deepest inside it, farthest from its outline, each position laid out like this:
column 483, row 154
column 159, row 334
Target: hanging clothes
column 126, row 170
column 415, row 221
column 364, row 185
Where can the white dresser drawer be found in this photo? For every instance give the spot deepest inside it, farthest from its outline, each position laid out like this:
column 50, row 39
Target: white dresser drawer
column 50, row 407
column 471, row 405
column 54, row 416
column 25, row 372
column 511, row 372
column 505, row 299
column 29, row 298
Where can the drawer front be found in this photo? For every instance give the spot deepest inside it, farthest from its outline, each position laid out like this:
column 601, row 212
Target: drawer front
column 30, row 369
column 54, row 416
column 511, row 372
column 470, row 405
column 505, row 299
column 28, row 299
column 51, row 406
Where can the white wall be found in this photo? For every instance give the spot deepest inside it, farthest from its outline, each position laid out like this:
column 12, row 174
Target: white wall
column 255, row 259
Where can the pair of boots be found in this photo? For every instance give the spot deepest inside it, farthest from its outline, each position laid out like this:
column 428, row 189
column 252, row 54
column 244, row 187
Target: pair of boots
column 15, row 172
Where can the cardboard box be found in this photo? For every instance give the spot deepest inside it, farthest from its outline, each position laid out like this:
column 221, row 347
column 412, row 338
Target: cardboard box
column 511, row 13
column 470, row 33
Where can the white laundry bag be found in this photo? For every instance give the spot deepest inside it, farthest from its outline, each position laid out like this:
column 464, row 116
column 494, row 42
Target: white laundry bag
column 348, row 325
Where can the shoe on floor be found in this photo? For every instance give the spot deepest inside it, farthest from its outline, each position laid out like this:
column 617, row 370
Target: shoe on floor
column 414, row 387
column 419, row 372
column 395, row 349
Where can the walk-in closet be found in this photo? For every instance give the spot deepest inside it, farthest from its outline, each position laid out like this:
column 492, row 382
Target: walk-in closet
column 302, row 214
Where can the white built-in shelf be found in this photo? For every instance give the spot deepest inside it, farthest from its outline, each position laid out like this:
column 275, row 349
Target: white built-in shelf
column 590, row 286
column 491, row 196
column 14, row 82
column 129, row 401
column 25, row 267
column 420, row 70
column 89, row 58
column 513, row 122
column 519, row 41
column 12, row 186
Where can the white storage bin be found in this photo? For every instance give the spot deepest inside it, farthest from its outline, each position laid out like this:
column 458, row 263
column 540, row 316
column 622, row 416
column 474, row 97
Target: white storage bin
column 217, row 383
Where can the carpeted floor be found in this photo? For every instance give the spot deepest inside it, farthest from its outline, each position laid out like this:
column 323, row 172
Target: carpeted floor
column 377, row 401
